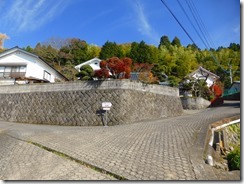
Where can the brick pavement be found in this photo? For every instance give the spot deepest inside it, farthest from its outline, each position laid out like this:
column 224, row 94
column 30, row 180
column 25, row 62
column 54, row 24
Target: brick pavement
column 20, row 160
column 165, row 149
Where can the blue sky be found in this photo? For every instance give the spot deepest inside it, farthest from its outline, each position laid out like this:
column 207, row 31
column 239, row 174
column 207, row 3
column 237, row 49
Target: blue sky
column 28, row 22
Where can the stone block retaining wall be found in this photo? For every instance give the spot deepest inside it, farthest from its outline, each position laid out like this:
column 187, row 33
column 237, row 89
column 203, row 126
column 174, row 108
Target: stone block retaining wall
column 79, row 103
column 195, row 103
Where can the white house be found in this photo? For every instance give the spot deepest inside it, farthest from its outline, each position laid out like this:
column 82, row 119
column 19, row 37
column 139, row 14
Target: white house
column 18, row 66
column 202, row 73
column 94, row 63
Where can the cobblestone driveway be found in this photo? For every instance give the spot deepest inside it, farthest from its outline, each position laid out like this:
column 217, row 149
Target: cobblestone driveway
column 165, row 149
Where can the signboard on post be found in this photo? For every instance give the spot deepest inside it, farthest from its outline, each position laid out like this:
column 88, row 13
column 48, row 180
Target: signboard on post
column 106, row 106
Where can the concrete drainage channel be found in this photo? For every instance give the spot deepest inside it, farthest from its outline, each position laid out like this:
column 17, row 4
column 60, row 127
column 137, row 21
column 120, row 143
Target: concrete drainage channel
column 217, row 139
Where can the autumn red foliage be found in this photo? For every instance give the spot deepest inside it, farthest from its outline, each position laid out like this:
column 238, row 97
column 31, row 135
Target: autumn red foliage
column 115, row 68
column 216, row 88
column 102, row 73
column 142, row 67
column 145, row 72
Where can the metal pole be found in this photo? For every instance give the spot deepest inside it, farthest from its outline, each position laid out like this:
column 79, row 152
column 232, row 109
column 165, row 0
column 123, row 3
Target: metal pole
column 106, row 124
column 230, row 74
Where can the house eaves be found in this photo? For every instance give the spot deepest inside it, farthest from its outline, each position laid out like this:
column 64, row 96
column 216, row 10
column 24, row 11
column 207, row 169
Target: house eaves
column 201, row 69
column 15, row 49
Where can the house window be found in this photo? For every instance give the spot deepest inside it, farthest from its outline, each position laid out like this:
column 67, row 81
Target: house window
column 22, row 69
column 1, row 71
column 12, row 71
column 47, row 76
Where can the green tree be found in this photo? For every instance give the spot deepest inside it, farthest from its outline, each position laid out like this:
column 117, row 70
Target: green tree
column 86, row 73
column 234, row 47
column 197, row 87
column 75, row 51
column 125, row 49
column 78, row 49
column 51, row 55
column 67, row 70
column 176, row 42
column 134, row 54
column 193, row 47
column 29, row 49
column 174, row 81
column 165, row 60
column 47, row 53
column 109, row 50
column 143, row 53
column 93, row 51
column 65, row 56
column 176, row 62
column 164, row 41
column 39, row 50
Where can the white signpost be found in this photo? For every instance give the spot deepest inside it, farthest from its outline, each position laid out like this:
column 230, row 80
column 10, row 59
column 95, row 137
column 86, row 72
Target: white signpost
column 106, row 106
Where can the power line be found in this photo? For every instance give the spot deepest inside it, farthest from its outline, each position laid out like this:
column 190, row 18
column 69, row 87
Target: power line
column 191, row 8
column 202, row 28
column 177, row 21
column 201, row 22
column 183, row 9
column 198, row 20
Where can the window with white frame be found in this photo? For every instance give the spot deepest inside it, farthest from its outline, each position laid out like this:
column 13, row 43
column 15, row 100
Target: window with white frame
column 47, row 76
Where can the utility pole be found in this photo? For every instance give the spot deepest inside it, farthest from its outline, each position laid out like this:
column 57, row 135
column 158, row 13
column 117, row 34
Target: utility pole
column 231, row 74
column 230, row 71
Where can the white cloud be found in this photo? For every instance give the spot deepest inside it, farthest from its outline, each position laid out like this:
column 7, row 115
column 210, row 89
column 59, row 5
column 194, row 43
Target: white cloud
column 144, row 26
column 28, row 15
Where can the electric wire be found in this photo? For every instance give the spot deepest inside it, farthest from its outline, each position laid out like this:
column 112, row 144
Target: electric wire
column 207, row 43
column 165, row 4
column 183, row 9
column 193, row 12
column 202, row 27
column 201, row 23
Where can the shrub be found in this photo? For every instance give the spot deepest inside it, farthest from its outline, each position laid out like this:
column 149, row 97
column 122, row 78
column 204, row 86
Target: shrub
column 234, row 159
column 86, row 73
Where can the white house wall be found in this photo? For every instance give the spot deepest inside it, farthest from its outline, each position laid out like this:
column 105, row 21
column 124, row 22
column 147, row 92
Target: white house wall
column 94, row 63
column 12, row 60
column 209, row 80
column 34, row 66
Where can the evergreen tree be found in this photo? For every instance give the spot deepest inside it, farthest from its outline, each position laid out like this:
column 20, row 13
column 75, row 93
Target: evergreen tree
column 164, row 41
column 143, row 53
column 109, row 50
column 176, row 42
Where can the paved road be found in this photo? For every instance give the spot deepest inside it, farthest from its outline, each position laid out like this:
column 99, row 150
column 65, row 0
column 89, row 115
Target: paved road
column 165, row 149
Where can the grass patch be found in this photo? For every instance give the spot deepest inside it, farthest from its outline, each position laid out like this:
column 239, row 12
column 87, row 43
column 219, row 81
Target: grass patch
column 234, row 159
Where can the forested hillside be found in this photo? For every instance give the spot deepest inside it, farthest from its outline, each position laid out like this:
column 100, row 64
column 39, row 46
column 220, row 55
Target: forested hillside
column 169, row 58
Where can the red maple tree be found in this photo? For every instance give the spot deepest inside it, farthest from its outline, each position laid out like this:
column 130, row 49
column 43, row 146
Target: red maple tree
column 115, row 68
column 217, row 89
